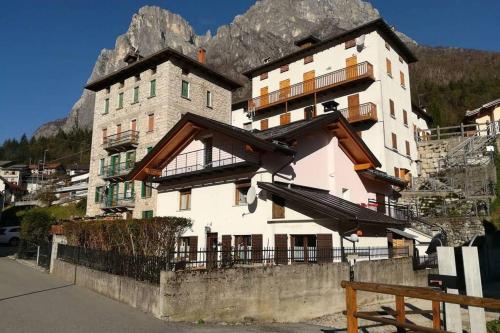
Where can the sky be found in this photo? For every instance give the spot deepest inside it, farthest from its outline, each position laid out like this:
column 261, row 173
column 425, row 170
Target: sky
column 49, row 47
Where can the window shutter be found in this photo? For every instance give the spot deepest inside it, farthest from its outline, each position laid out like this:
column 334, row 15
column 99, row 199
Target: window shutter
column 278, row 207
column 396, row 172
column 152, row 88
column 264, row 124
column 391, row 107
column 284, row 68
column 104, row 135
column 407, row 148
column 106, row 106
column 151, row 122
column 405, row 117
column 143, row 189
column 389, row 66
column 193, row 248
column 285, row 118
column 350, row 43
column 402, row 78
column 324, row 245
column 308, row 59
column 136, row 94
column 281, row 248
column 257, row 248
column 264, row 76
column 394, row 141
column 226, row 248
column 97, row 195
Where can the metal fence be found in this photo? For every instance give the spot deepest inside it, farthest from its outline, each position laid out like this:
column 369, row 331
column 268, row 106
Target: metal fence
column 148, row 268
column 141, row 268
column 424, row 262
column 41, row 253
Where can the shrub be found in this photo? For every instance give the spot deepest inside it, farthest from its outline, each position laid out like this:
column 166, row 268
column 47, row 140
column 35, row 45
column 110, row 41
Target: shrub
column 149, row 237
column 35, row 226
column 493, row 326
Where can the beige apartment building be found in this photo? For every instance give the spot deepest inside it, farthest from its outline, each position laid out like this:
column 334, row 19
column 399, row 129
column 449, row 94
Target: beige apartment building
column 134, row 108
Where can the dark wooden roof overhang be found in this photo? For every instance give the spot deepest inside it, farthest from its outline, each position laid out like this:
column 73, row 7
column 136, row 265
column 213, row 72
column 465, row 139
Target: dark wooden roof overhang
column 184, row 132
column 379, row 25
column 330, row 206
column 156, row 59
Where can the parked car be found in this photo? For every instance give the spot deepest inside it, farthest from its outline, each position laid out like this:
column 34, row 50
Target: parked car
column 10, row 235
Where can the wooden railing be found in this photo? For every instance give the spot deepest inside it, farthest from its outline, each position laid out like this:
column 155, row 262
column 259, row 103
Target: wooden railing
column 462, row 130
column 341, row 76
column 125, row 139
column 366, row 111
column 400, row 292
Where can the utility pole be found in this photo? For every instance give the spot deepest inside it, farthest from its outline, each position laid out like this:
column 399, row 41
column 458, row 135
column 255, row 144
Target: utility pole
column 43, row 165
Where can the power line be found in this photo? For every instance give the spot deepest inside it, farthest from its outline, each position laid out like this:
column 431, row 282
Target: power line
column 63, row 157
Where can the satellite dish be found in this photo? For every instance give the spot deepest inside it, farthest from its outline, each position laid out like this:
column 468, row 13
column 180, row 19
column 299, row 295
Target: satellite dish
column 251, row 195
column 360, row 41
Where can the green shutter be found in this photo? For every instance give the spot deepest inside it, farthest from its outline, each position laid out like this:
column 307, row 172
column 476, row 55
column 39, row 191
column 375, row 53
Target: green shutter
column 136, row 94
column 185, row 89
column 143, row 189
column 106, row 106
column 147, row 214
column 152, row 90
column 97, row 197
column 120, row 100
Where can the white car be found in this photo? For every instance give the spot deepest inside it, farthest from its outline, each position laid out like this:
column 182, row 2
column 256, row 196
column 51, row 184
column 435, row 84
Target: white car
column 10, row 235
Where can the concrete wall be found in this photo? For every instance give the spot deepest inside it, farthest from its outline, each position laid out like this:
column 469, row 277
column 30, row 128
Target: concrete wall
column 280, row 293
column 139, row 295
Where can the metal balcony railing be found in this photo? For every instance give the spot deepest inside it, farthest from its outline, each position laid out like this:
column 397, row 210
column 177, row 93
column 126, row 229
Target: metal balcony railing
column 124, row 140
column 119, row 200
column 206, row 160
column 366, row 111
column 117, row 170
column 329, row 80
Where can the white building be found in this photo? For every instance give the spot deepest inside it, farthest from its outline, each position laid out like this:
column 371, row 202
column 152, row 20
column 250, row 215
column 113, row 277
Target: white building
column 314, row 180
column 364, row 70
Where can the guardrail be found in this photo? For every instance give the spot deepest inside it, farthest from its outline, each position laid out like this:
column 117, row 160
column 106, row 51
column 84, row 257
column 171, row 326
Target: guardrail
column 462, row 130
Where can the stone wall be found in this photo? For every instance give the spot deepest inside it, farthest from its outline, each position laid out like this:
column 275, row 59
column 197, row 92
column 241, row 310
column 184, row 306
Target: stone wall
column 459, row 230
column 139, row 295
column 431, row 152
column 280, row 293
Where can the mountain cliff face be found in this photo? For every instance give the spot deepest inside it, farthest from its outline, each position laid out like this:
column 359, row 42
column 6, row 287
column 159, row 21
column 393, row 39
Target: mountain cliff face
column 267, row 29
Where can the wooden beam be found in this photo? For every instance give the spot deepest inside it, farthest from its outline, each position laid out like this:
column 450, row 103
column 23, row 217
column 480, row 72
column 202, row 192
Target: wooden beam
column 400, row 308
column 411, row 327
column 436, row 315
column 152, row 172
column 362, row 166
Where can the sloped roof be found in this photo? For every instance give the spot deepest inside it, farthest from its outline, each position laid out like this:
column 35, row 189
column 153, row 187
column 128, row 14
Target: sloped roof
column 471, row 113
column 323, row 202
column 378, row 24
column 156, row 59
column 4, row 164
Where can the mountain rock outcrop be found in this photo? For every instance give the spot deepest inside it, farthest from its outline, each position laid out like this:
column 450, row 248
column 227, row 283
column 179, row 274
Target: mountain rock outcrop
column 267, row 30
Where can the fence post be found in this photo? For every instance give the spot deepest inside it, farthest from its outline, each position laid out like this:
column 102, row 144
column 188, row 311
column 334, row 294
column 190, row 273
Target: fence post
column 436, row 315
column 38, row 255
column 401, row 315
column 438, row 132
column 351, row 307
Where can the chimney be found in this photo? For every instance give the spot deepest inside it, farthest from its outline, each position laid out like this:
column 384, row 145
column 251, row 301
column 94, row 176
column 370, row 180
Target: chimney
column 202, row 55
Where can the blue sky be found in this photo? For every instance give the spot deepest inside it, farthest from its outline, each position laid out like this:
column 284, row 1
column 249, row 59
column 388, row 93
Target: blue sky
column 49, row 47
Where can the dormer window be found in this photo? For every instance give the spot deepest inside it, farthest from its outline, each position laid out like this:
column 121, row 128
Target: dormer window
column 138, row 77
column 350, row 43
column 284, row 68
column 308, row 59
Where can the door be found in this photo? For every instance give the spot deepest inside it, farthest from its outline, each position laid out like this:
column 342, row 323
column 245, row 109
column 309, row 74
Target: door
column 284, row 89
column 114, row 165
column 130, row 159
column 353, row 107
column 351, row 68
column 112, row 195
column 212, row 250
column 264, row 96
column 118, row 132
column 309, row 81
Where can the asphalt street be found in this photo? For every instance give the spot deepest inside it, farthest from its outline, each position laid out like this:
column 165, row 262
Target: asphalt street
column 34, row 301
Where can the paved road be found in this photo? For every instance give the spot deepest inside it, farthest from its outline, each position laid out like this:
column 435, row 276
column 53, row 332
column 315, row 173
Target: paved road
column 33, row 301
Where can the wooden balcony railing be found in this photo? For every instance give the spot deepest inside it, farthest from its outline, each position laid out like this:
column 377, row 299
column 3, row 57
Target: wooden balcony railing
column 342, row 76
column 121, row 140
column 362, row 112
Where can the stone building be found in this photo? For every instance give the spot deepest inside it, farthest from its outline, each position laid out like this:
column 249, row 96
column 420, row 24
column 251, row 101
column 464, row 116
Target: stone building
column 134, row 108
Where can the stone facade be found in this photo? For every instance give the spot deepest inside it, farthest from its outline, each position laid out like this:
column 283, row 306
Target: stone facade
column 431, row 152
column 459, row 230
column 166, row 106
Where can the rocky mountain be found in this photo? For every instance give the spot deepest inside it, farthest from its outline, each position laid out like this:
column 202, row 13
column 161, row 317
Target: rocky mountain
column 267, row 30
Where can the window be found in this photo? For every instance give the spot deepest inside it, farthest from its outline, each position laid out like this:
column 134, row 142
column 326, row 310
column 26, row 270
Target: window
column 147, row 214
column 185, row 89
column 264, row 76
column 151, row 122
column 152, row 88
column 389, row 67
column 101, row 166
column 153, row 70
column 308, row 59
column 104, row 135
column 184, row 245
column 108, row 89
column 241, row 193
column 146, row 190
column 138, row 77
column 120, row 100
column 247, row 126
column 285, row 118
column 133, row 125
column 278, row 207
column 407, row 148
column 309, row 112
column 209, row 99
column 284, row 68
column 402, row 79
column 185, row 200
column 98, row 191
column 207, row 152
column 264, row 124
column 129, row 190
column 394, row 141
column 149, row 149
column 121, row 84
column 391, row 108
column 350, row 43
column 130, row 159
column 106, row 106
column 136, row 95
column 405, row 118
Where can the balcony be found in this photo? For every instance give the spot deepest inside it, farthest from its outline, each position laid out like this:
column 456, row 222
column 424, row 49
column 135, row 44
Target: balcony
column 357, row 73
column 121, row 141
column 199, row 162
column 118, row 203
column 362, row 112
column 116, row 172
